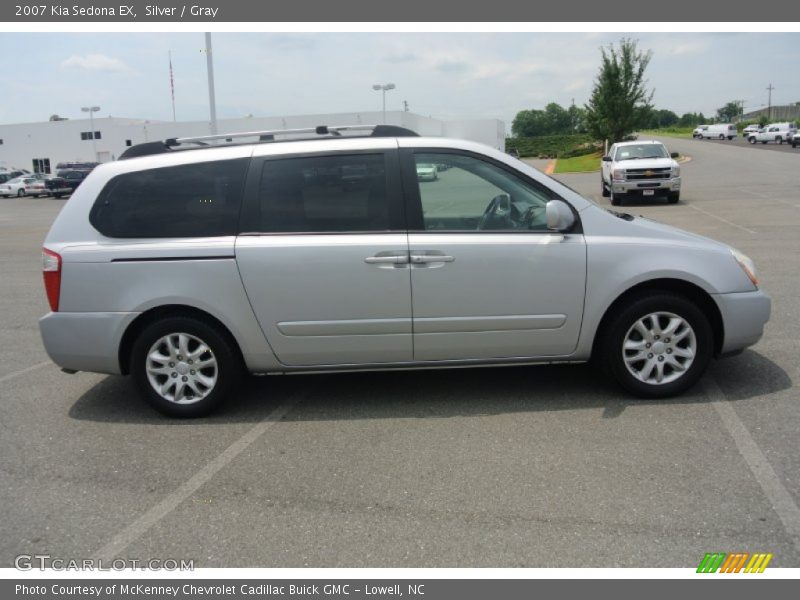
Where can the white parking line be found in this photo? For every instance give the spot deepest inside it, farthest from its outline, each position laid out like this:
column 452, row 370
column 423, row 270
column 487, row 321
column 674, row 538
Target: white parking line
column 731, row 223
column 5, row 378
column 136, row 529
column 780, row 498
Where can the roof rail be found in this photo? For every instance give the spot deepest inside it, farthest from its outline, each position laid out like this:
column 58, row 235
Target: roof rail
column 268, row 136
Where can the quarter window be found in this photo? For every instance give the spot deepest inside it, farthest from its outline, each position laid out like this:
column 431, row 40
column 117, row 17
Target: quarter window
column 463, row 193
column 196, row 200
column 324, row 194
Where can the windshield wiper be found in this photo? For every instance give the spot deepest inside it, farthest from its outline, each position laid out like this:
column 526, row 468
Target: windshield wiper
column 653, row 156
column 621, row 215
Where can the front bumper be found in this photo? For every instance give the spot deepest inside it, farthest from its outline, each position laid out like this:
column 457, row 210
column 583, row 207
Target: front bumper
column 85, row 341
column 638, row 187
column 64, row 190
column 743, row 318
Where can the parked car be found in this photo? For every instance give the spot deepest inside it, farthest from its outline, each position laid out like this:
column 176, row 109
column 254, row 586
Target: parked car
column 639, row 170
column 12, row 174
column 23, row 186
column 427, row 172
column 185, row 267
column 65, row 182
column 775, row 132
column 719, row 131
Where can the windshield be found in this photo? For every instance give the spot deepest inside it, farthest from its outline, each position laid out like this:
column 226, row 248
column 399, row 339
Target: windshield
column 636, row 151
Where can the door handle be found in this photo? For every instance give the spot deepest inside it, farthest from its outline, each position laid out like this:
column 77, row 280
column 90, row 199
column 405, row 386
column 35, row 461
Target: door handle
column 421, row 259
column 392, row 259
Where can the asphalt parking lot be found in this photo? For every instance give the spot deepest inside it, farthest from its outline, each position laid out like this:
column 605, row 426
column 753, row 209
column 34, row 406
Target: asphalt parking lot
column 491, row 467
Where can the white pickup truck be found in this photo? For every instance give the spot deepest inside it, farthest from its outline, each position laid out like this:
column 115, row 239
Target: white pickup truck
column 639, row 170
column 775, row 132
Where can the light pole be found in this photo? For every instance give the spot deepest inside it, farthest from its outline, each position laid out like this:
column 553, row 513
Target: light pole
column 383, row 88
column 91, row 110
column 212, row 102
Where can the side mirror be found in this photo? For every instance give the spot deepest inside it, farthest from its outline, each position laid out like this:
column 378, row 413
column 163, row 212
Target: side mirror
column 559, row 216
column 674, row 154
column 606, row 159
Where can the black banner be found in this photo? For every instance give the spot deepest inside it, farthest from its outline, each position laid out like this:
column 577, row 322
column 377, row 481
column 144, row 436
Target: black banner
column 445, row 11
column 728, row 587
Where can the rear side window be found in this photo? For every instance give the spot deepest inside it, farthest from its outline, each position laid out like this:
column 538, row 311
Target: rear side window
column 196, row 200
column 324, row 194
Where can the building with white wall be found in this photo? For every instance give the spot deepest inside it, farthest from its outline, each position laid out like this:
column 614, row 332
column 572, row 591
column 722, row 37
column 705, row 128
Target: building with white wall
column 40, row 146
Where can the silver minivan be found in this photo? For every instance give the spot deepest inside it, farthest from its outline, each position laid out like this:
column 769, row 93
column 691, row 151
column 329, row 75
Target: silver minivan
column 193, row 261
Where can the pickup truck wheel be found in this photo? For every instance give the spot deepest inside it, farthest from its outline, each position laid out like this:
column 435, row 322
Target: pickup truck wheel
column 184, row 367
column 673, row 197
column 603, row 189
column 752, row 140
column 658, row 346
column 616, row 199
column 722, row 137
column 779, row 140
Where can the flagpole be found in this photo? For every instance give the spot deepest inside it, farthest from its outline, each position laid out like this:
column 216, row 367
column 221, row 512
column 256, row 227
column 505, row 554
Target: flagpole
column 172, row 86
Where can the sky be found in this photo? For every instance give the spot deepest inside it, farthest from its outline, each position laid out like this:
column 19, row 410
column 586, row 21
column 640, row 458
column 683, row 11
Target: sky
column 443, row 75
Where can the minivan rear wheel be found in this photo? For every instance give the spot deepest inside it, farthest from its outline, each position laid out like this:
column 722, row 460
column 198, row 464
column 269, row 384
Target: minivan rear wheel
column 657, row 346
column 184, row 367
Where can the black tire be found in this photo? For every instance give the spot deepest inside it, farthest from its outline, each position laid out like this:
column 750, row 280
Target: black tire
column 779, row 140
column 57, row 195
column 613, row 336
column 603, row 189
column 794, row 144
column 229, row 364
column 616, row 199
column 752, row 140
column 20, row 193
column 730, row 138
column 764, row 142
column 722, row 137
column 673, row 197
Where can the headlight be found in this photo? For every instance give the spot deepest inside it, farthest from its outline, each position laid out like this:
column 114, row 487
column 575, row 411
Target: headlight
column 676, row 171
column 618, row 174
column 748, row 266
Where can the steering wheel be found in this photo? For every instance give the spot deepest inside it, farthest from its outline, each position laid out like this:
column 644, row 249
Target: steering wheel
column 497, row 214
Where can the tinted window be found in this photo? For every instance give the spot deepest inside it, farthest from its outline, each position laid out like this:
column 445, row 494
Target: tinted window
column 196, row 200
column 463, row 193
column 324, row 194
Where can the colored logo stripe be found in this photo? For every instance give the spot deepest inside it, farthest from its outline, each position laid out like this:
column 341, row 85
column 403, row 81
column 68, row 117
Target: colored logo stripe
column 734, row 562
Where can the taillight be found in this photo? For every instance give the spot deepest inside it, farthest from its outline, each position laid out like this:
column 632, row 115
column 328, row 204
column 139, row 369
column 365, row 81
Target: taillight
column 51, row 268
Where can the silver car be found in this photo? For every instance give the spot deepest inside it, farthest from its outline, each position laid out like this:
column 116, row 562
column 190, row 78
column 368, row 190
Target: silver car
column 185, row 267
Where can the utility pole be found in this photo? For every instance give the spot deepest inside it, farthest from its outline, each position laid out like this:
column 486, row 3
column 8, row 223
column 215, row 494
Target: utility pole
column 212, row 103
column 769, row 102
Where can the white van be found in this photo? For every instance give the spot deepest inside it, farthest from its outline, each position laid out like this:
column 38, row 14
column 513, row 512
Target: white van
column 719, row 131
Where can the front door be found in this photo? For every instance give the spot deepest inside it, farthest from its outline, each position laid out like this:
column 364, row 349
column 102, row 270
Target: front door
column 488, row 279
column 324, row 258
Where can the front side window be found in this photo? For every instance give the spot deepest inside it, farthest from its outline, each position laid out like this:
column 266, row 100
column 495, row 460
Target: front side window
column 464, row 193
column 196, row 200
column 320, row 194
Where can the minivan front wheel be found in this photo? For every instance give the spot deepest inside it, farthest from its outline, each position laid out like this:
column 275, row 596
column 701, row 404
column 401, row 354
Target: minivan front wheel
column 184, row 367
column 658, row 346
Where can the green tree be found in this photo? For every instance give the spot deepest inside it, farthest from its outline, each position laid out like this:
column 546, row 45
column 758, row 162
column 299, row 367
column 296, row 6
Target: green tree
column 729, row 112
column 620, row 102
column 662, row 118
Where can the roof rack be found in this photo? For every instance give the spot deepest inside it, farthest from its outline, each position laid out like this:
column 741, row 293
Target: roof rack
column 268, row 136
